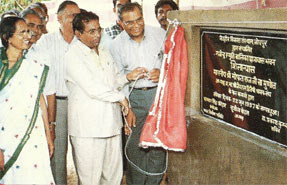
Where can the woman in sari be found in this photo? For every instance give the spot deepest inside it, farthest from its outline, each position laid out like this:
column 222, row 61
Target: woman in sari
column 25, row 141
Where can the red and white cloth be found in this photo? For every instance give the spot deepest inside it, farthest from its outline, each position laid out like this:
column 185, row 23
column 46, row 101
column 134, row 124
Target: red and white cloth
column 165, row 125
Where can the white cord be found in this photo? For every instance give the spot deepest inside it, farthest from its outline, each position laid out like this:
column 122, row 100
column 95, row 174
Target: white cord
column 128, row 159
column 137, row 167
column 175, row 23
column 138, row 77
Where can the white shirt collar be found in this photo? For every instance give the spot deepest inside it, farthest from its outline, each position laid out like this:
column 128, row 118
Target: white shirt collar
column 85, row 49
column 60, row 36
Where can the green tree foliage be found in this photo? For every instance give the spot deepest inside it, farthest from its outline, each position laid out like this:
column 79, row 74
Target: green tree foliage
column 6, row 5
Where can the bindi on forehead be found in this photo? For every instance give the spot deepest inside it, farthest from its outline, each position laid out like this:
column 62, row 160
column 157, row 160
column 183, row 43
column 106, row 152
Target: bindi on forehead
column 21, row 27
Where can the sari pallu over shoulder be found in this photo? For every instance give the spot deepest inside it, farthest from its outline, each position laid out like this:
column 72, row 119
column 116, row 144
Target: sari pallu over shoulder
column 19, row 107
column 4, row 76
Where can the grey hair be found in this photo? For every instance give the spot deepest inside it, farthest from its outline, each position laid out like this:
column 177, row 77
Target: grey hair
column 128, row 8
column 29, row 11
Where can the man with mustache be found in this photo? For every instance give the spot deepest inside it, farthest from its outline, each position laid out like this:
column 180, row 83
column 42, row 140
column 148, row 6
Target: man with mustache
column 35, row 25
column 161, row 9
column 34, row 22
column 94, row 100
column 42, row 10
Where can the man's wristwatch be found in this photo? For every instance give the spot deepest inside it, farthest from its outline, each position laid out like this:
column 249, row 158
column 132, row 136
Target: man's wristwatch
column 53, row 123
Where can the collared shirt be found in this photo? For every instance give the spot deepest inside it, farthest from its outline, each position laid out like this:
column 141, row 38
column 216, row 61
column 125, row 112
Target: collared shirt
column 54, row 45
column 105, row 40
column 94, row 84
column 129, row 54
column 50, row 87
column 113, row 31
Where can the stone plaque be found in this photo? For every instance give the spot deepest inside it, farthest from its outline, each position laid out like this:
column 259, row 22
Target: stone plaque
column 244, row 79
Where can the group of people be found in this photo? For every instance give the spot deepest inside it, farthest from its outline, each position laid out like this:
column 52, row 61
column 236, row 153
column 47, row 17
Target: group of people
column 76, row 82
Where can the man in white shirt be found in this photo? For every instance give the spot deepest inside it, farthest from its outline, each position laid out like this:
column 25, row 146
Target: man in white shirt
column 94, row 113
column 55, row 45
column 35, row 24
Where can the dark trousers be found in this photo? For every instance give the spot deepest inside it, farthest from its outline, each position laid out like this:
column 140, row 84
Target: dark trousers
column 151, row 160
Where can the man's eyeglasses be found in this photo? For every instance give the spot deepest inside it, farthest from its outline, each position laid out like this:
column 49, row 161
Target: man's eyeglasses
column 94, row 31
column 32, row 25
column 139, row 21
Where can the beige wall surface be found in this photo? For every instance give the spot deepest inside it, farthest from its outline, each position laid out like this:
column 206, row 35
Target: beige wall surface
column 218, row 153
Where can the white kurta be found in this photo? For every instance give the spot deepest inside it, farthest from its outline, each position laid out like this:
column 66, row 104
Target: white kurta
column 94, row 114
column 94, row 84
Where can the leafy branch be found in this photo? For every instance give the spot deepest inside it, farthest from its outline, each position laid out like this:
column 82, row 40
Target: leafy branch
column 19, row 5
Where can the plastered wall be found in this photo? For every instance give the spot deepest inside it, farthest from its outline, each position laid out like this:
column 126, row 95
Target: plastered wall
column 218, row 153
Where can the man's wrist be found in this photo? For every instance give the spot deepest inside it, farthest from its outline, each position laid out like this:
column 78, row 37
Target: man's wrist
column 53, row 123
column 127, row 77
column 52, row 127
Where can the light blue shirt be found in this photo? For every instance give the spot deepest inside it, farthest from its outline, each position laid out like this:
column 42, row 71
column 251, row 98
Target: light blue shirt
column 129, row 54
column 105, row 40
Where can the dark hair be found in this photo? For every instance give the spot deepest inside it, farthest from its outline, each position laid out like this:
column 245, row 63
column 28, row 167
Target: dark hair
column 12, row 12
column 83, row 10
column 29, row 11
column 115, row 2
column 160, row 3
column 81, row 18
column 128, row 8
column 8, row 28
column 64, row 4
